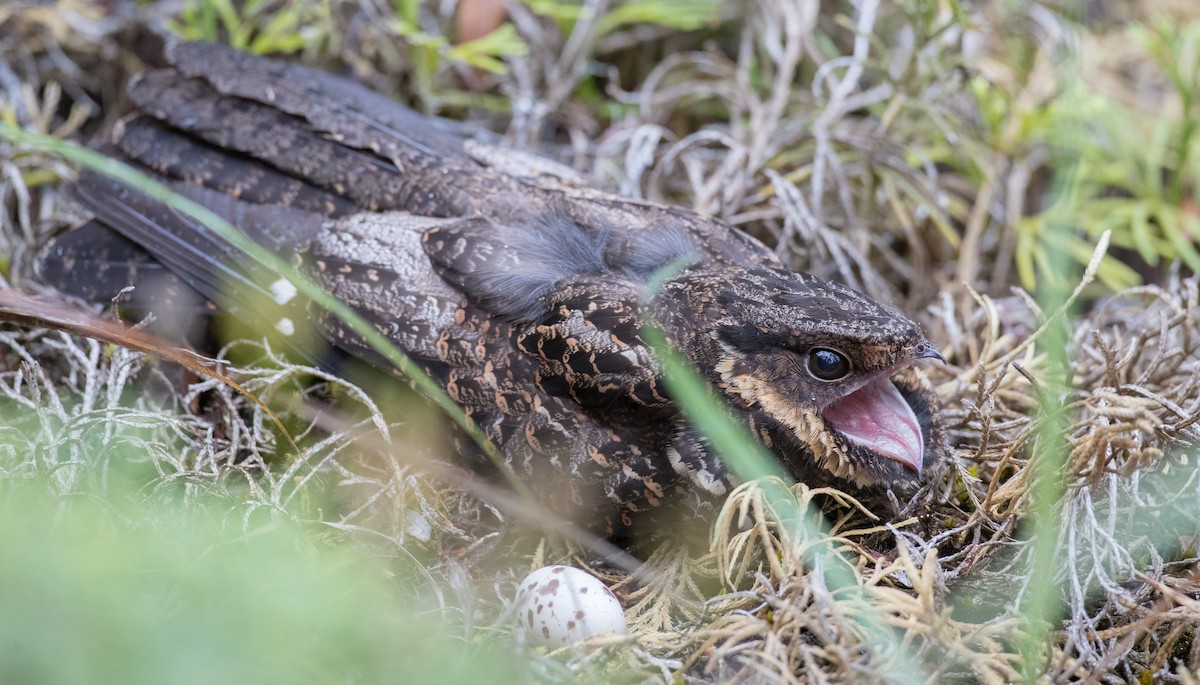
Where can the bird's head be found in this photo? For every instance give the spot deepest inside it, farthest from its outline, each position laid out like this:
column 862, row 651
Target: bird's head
column 825, row 374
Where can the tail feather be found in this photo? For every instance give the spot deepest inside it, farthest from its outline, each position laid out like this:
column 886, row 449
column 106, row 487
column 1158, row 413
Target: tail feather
column 183, row 158
column 182, row 265
column 97, row 264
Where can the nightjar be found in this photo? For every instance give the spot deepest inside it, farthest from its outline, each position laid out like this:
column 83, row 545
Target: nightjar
column 519, row 288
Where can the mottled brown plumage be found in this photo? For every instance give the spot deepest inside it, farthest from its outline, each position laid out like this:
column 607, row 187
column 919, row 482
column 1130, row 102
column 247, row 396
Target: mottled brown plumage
column 521, row 290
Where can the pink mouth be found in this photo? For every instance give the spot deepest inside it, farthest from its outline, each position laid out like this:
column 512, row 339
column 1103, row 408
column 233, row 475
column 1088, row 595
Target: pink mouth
column 877, row 417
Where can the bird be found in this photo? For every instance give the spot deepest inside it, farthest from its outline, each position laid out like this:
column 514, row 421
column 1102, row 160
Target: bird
column 522, row 290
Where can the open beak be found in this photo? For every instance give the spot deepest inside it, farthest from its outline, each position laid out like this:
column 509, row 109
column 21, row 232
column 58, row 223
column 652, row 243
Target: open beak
column 878, row 417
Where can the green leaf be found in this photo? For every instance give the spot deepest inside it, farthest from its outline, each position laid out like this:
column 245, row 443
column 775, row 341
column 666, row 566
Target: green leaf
column 281, row 34
column 1182, row 231
column 408, row 10
column 1139, row 228
column 685, row 15
column 178, row 595
column 484, row 52
column 1028, row 230
column 562, row 12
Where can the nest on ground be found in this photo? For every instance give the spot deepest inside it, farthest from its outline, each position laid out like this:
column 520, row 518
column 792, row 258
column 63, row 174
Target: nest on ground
column 1107, row 387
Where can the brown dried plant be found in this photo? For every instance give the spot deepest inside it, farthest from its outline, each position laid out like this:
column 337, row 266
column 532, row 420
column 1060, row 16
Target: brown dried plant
column 849, row 138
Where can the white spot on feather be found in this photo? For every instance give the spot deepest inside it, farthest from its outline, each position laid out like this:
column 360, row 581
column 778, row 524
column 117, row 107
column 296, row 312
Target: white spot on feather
column 282, row 291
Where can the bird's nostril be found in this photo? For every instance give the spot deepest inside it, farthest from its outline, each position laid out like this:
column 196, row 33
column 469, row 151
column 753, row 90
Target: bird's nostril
column 927, row 351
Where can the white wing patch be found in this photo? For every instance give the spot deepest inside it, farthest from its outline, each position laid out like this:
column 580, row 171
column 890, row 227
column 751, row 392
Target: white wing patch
column 282, row 291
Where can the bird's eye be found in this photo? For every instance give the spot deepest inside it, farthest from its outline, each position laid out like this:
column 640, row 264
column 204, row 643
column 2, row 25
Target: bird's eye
column 828, row 365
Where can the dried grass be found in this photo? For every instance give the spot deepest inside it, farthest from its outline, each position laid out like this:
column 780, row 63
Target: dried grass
column 841, row 177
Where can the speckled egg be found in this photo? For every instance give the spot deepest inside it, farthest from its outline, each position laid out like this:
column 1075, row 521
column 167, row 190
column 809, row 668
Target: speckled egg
column 557, row 605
